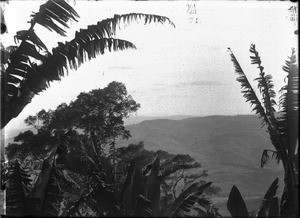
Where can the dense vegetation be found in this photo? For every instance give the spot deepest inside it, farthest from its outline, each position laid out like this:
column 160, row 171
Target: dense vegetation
column 70, row 165
column 74, row 155
column 283, row 129
column 29, row 67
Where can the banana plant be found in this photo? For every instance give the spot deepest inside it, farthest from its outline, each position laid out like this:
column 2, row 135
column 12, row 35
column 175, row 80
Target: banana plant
column 17, row 189
column 140, row 197
column 145, row 184
column 283, row 128
column 30, row 67
column 44, row 197
column 269, row 206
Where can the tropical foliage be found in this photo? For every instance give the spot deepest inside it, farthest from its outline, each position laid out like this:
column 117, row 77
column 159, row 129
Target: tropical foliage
column 86, row 176
column 282, row 125
column 29, row 67
column 269, row 206
column 41, row 198
column 55, row 193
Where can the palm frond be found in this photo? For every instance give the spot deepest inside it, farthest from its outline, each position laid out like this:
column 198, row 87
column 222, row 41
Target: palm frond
column 52, row 12
column 265, row 85
column 18, row 187
column 20, row 66
column 23, row 79
column 289, row 114
column 107, row 28
column 263, row 113
column 29, row 35
column 248, row 92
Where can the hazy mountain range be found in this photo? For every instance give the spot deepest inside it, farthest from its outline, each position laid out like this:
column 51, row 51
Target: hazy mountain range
column 229, row 147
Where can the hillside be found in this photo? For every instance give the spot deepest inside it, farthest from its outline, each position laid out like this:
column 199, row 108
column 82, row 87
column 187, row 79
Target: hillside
column 230, row 147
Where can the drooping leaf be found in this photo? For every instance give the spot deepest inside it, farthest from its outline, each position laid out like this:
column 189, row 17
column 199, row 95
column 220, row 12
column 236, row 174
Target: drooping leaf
column 236, row 204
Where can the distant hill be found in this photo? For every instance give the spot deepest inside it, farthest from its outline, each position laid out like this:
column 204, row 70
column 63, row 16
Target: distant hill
column 230, row 147
column 9, row 136
column 137, row 119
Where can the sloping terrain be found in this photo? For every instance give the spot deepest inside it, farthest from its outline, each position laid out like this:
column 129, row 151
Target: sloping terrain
column 230, row 147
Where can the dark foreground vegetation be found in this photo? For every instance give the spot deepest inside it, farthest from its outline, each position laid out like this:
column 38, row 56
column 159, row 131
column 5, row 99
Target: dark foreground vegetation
column 70, row 165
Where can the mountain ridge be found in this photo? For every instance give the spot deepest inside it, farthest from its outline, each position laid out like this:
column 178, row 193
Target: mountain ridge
column 229, row 147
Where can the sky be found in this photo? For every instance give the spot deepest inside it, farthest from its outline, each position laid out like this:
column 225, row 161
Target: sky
column 184, row 70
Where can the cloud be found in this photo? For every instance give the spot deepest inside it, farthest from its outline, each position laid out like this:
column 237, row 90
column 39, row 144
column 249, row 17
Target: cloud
column 160, row 86
column 201, row 83
column 120, row 68
column 176, row 96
